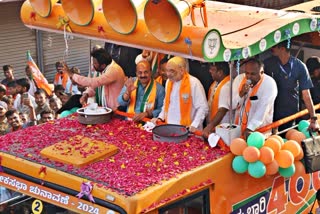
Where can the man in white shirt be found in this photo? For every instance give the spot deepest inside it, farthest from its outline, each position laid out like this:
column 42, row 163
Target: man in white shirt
column 23, row 86
column 218, row 97
column 254, row 93
column 185, row 101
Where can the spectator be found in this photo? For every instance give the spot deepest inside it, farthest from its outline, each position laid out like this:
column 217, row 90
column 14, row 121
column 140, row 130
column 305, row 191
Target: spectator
column 8, row 74
column 14, row 120
column 23, row 86
column 3, row 120
column 291, row 76
column 24, row 117
column 33, row 86
column 3, row 91
column 55, row 104
column 61, row 77
column 41, row 101
column 72, row 86
column 58, row 89
column 185, row 101
column 254, row 93
column 107, row 86
column 12, row 89
column 313, row 65
column 9, row 101
column 46, row 116
column 142, row 95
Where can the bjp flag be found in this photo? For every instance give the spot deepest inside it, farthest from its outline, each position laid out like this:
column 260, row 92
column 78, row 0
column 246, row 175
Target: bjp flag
column 38, row 77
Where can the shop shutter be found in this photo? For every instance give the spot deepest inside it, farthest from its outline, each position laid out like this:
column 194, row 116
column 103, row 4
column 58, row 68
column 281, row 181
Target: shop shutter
column 15, row 39
column 54, row 48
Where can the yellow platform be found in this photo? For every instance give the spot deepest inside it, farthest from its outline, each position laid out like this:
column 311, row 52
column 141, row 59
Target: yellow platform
column 79, row 151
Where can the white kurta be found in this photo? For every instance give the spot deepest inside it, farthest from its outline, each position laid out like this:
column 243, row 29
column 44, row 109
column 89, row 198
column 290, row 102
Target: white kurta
column 199, row 104
column 224, row 102
column 261, row 111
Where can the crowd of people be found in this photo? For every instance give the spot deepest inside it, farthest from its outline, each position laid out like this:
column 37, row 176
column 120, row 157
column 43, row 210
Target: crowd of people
column 163, row 89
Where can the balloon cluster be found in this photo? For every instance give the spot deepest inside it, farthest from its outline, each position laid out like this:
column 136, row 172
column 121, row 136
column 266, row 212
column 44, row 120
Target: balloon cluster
column 261, row 157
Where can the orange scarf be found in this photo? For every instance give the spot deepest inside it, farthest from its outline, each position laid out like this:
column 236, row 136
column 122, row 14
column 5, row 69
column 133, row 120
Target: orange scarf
column 64, row 76
column 159, row 79
column 245, row 115
column 185, row 100
column 215, row 100
column 149, row 97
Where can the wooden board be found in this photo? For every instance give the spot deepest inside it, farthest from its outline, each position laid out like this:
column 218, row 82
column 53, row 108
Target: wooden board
column 79, row 151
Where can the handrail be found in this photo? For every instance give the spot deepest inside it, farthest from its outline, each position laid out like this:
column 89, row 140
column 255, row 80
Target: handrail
column 286, row 119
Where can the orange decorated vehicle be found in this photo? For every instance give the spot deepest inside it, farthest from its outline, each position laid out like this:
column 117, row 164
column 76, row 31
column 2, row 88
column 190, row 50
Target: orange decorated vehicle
column 117, row 167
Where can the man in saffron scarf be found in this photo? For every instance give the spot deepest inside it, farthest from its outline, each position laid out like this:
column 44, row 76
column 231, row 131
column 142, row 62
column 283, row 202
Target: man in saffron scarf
column 185, row 102
column 61, row 77
column 218, row 97
column 254, row 94
column 108, row 83
column 142, row 95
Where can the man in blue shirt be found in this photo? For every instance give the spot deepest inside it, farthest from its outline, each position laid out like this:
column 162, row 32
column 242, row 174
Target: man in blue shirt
column 142, row 95
column 291, row 76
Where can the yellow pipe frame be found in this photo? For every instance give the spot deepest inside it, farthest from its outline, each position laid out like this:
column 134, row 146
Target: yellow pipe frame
column 43, row 7
column 122, row 15
column 99, row 29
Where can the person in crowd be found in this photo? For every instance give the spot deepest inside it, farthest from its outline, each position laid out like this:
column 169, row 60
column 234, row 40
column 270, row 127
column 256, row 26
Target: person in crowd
column 46, row 116
column 14, row 120
column 58, row 89
column 123, row 56
column 61, row 77
column 3, row 120
column 161, row 76
column 185, row 101
column 55, row 104
column 142, row 95
column 254, row 94
column 3, row 91
column 64, row 97
column 12, row 90
column 218, row 97
column 107, row 85
column 291, row 76
column 24, row 117
column 8, row 74
column 41, row 101
column 313, row 65
column 23, row 86
column 33, row 86
column 9, row 101
column 72, row 86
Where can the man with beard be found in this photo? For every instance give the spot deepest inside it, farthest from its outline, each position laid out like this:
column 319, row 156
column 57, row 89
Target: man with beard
column 106, row 86
column 292, row 77
column 142, row 95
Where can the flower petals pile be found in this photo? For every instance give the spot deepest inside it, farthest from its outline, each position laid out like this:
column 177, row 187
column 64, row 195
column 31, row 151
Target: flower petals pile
column 140, row 163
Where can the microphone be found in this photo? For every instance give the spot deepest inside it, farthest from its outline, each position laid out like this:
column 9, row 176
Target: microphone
column 249, row 81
